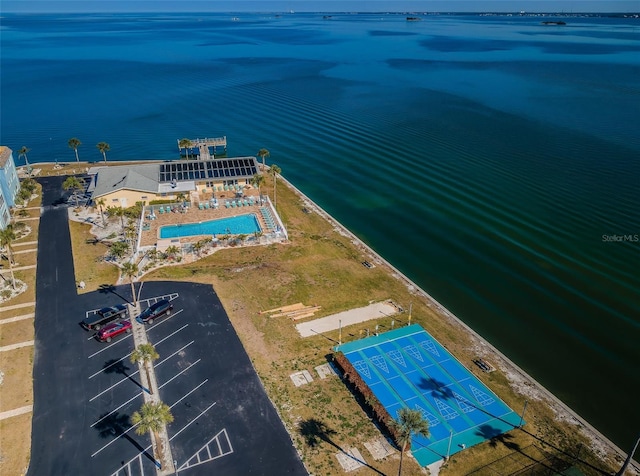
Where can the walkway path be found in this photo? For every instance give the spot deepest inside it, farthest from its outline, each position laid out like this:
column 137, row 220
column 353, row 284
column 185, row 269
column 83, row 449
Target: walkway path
column 17, row 306
column 17, row 318
column 16, row 412
column 19, row 345
column 346, row 318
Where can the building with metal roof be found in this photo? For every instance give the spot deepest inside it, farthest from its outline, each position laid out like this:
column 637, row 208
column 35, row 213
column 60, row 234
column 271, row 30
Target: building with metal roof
column 128, row 184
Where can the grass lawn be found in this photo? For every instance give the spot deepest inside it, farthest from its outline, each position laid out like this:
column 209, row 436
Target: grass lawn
column 17, row 365
column 16, row 332
column 322, row 267
column 85, row 259
column 15, row 442
column 17, row 387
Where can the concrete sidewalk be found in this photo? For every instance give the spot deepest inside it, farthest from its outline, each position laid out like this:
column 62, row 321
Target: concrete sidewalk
column 347, row 318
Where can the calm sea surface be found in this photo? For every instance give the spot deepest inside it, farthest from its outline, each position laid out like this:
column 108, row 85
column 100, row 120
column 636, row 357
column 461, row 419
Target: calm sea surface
column 485, row 157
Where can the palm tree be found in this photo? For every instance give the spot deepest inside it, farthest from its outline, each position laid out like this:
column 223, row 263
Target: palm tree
column 7, row 237
column 101, row 202
column 274, row 170
column 23, row 153
column 185, row 144
column 409, row 422
column 74, row 143
column 104, row 148
column 263, row 153
column 152, row 418
column 118, row 249
column 257, row 180
column 73, row 183
column 131, row 232
column 118, row 212
column 130, row 270
column 145, row 354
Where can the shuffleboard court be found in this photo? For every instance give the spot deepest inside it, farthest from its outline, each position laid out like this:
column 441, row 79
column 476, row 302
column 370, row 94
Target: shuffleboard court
column 407, row 367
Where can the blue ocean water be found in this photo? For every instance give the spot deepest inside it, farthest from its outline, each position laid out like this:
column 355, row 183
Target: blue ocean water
column 494, row 160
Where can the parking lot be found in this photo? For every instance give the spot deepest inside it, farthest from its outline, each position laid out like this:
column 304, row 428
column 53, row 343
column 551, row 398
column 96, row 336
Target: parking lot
column 85, row 391
column 224, row 423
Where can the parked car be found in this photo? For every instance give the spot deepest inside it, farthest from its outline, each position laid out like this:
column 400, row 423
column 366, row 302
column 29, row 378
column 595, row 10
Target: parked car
column 161, row 308
column 96, row 321
column 108, row 332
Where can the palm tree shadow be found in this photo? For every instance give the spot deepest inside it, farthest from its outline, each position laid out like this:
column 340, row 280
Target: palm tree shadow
column 436, row 387
column 116, row 426
column 495, row 436
column 117, row 366
column 110, row 288
column 315, row 431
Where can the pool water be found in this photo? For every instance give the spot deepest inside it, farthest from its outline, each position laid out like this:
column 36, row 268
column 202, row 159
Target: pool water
column 238, row 225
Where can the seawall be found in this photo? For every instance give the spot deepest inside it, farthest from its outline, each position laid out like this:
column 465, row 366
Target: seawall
column 597, row 438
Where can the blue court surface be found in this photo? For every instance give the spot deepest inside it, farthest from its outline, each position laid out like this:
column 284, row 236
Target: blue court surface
column 407, row 367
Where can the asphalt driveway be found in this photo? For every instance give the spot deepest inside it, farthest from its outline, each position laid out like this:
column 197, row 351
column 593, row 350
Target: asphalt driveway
column 86, row 391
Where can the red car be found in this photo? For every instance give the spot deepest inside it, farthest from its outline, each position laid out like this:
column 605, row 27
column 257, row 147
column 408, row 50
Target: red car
column 110, row 331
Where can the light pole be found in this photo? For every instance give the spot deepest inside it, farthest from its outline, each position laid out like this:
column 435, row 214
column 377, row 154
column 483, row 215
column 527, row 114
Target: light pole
column 449, row 447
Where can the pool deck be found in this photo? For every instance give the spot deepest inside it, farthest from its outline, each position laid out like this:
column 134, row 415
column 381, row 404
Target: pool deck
column 193, row 215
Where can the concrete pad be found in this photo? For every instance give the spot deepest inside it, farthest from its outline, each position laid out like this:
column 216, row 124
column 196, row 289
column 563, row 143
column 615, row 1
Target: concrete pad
column 353, row 316
column 325, row 370
column 301, row 378
column 351, row 460
column 434, row 468
column 379, row 448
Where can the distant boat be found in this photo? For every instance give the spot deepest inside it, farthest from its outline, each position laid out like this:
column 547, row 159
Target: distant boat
column 413, row 19
column 553, row 23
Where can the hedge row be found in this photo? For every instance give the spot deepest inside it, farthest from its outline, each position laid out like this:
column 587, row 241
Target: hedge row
column 379, row 411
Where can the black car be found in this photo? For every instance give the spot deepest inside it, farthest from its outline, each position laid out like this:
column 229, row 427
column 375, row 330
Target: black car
column 161, row 308
column 103, row 316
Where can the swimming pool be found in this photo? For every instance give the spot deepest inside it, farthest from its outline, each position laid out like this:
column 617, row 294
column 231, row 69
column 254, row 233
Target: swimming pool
column 238, row 225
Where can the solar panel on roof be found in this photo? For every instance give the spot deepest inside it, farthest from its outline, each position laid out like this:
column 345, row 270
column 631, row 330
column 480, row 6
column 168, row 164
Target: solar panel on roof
column 200, row 170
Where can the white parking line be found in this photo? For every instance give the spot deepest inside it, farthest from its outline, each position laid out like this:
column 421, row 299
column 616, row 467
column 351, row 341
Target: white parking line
column 117, row 438
column 140, row 394
column 133, row 426
column 108, row 346
column 116, row 409
column 110, row 365
column 185, row 427
column 179, row 373
column 120, row 360
column 190, row 392
column 172, row 334
column 165, row 319
column 114, row 385
column 137, row 372
column 93, row 336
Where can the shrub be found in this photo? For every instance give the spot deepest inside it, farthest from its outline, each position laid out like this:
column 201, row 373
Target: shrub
column 353, row 377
